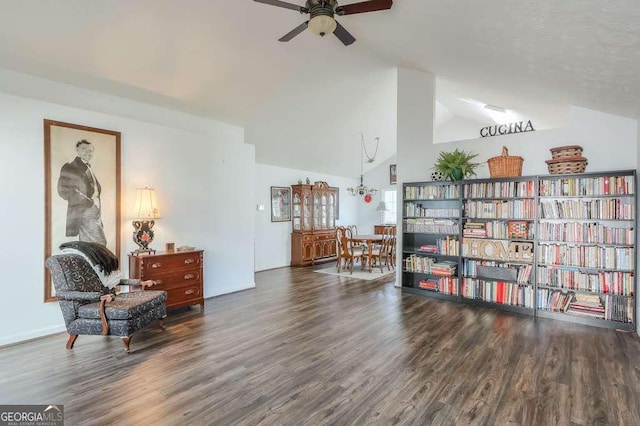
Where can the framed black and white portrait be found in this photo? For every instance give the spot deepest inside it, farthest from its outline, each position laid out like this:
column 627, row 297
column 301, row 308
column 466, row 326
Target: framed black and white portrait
column 82, row 188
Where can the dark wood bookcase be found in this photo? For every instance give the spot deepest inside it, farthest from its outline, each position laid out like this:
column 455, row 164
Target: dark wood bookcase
column 553, row 246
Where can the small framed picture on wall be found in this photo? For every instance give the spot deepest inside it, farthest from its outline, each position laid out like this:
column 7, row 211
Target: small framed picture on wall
column 392, row 174
column 280, row 204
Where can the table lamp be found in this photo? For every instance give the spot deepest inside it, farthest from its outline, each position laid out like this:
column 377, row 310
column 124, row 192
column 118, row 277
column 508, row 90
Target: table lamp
column 382, row 207
column 144, row 212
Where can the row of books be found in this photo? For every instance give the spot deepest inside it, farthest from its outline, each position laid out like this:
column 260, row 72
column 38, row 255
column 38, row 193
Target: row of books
column 444, row 285
column 429, row 265
column 598, row 257
column 605, row 307
column 621, row 283
column 500, row 189
column 498, row 292
column 492, row 270
column 447, row 246
column 586, row 233
column 417, row 210
column 431, row 192
column 554, row 300
column 587, row 186
column 493, row 229
column 432, row 226
column 602, row 208
column 516, row 209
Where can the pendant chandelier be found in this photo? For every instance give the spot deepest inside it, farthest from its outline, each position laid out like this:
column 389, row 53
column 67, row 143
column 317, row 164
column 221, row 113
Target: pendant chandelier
column 362, row 189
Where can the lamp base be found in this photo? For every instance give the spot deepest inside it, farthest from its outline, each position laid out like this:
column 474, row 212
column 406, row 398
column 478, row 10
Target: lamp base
column 140, row 252
column 143, row 236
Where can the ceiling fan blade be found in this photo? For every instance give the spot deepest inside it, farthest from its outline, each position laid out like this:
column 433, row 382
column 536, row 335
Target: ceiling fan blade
column 364, row 6
column 297, row 30
column 285, row 5
column 343, row 35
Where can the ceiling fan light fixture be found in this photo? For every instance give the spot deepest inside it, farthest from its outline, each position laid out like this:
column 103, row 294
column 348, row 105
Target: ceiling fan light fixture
column 322, row 24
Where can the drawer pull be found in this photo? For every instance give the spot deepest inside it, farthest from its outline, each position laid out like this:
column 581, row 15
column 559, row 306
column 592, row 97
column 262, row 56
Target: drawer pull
column 189, row 292
column 189, row 276
column 157, row 282
column 156, row 265
column 188, row 261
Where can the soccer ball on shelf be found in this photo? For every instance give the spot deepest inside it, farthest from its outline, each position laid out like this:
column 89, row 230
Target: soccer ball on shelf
column 437, row 176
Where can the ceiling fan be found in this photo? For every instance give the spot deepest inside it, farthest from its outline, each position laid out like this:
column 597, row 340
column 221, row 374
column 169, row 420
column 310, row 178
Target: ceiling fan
column 322, row 13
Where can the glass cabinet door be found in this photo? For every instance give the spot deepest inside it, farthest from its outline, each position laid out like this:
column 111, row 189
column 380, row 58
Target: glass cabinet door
column 325, row 214
column 296, row 212
column 306, row 211
column 317, row 211
column 332, row 210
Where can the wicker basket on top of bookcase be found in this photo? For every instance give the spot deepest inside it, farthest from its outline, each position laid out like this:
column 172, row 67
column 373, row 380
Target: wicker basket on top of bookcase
column 567, row 160
column 505, row 165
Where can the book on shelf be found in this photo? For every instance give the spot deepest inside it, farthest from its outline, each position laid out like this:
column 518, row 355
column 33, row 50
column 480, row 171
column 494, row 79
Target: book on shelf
column 499, row 292
column 475, row 229
column 587, row 305
column 415, row 263
column 431, row 225
column 444, row 267
column 554, row 300
column 429, row 265
column 587, row 186
column 429, row 284
column 443, row 285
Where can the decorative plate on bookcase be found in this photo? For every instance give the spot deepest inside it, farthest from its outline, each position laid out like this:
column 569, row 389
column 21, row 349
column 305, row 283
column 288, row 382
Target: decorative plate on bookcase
column 437, row 176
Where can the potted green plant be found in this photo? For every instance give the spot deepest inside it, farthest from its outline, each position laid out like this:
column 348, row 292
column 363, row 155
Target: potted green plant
column 456, row 165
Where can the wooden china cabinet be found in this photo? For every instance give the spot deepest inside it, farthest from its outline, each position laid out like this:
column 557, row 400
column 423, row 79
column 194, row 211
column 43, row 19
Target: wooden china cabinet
column 314, row 224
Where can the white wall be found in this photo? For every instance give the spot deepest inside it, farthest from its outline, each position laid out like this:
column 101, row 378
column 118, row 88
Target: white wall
column 273, row 239
column 416, row 112
column 457, row 129
column 609, row 143
column 368, row 216
column 200, row 178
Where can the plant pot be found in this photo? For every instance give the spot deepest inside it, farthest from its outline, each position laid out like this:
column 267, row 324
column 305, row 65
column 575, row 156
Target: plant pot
column 456, row 174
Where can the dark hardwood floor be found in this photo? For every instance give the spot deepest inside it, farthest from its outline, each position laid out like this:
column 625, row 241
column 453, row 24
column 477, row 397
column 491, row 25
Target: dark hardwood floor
column 309, row 348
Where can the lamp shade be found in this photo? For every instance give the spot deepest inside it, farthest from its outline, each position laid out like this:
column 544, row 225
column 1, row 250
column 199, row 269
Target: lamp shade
column 322, row 24
column 382, row 206
column 145, row 206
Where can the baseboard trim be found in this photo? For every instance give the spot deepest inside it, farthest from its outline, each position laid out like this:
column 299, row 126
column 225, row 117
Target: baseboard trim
column 31, row 335
column 249, row 286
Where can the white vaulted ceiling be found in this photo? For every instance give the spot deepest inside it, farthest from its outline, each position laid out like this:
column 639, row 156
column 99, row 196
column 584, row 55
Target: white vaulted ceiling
column 298, row 100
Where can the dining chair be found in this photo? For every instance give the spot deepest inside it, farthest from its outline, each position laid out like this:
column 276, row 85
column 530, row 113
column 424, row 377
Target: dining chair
column 383, row 251
column 348, row 252
column 339, row 233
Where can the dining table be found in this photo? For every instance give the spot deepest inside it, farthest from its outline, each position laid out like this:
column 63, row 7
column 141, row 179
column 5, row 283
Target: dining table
column 369, row 240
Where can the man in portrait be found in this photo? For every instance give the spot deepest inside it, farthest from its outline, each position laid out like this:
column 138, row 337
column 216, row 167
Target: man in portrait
column 79, row 186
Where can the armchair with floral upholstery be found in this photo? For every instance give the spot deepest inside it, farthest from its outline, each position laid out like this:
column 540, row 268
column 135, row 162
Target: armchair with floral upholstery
column 90, row 308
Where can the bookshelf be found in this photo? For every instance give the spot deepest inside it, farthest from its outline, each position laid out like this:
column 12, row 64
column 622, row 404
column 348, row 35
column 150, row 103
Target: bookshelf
column 585, row 260
column 431, row 239
column 498, row 243
column 555, row 246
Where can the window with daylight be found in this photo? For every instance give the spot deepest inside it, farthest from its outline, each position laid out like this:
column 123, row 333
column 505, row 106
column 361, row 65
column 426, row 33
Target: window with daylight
column 390, row 198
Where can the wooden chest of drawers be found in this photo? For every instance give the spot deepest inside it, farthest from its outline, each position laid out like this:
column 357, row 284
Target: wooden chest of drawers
column 178, row 273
